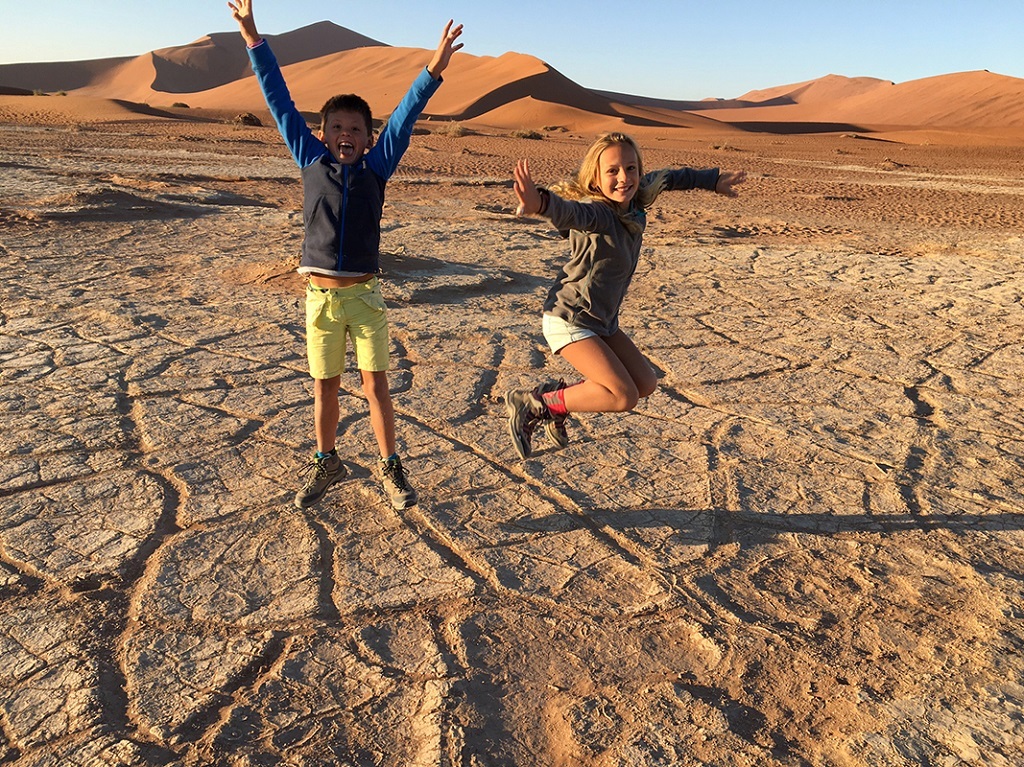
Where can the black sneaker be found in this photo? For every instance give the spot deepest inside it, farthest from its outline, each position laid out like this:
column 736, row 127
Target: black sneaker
column 320, row 474
column 555, row 427
column 396, row 484
column 525, row 411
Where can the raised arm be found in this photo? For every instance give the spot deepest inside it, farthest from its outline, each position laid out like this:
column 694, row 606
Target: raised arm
column 302, row 142
column 530, row 199
column 445, row 49
column 241, row 11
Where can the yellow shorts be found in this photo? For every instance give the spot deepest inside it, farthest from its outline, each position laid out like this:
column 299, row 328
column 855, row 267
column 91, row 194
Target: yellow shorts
column 334, row 314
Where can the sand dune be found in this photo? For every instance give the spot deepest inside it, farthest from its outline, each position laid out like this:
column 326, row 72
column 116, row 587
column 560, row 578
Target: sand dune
column 57, row 76
column 213, row 61
column 75, row 110
column 983, row 99
column 516, row 90
column 974, row 99
column 830, row 89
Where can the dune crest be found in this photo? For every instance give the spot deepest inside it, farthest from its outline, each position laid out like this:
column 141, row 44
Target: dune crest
column 516, row 90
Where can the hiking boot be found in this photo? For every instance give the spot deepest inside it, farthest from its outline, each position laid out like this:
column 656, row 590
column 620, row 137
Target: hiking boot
column 554, row 428
column 525, row 412
column 320, row 474
column 396, row 484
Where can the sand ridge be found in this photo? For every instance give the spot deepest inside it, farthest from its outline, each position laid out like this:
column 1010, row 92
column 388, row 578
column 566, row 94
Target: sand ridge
column 505, row 91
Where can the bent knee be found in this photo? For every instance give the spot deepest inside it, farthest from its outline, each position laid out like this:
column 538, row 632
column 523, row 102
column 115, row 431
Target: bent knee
column 628, row 397
column 624, row 398
column 647, row 388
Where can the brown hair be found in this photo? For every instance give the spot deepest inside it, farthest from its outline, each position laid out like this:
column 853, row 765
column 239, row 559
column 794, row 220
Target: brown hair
column 347, row 102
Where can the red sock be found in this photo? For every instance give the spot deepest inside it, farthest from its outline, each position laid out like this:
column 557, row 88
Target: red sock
column 555, row 402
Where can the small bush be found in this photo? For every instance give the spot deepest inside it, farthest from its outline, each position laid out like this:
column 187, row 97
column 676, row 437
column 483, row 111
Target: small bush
column 180, row 105
column 527, row 133
column 452, row 129
column 38, row 92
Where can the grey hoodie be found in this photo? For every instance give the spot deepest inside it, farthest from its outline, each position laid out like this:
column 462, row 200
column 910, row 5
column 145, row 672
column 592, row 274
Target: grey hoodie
column 604, row 253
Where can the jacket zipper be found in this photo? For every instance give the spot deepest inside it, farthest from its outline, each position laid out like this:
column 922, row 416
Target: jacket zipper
column 344, row 211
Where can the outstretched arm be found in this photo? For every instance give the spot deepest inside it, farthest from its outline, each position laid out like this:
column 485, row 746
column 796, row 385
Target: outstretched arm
column 241, row 11
column 727, row 180
column 530, row 199
column 444, row 51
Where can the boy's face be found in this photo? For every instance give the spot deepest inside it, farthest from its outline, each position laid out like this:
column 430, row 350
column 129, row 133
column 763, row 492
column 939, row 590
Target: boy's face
column 345, row 135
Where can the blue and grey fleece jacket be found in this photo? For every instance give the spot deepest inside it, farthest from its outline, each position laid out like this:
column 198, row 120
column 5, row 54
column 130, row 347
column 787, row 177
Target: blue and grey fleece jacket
column 342, row 204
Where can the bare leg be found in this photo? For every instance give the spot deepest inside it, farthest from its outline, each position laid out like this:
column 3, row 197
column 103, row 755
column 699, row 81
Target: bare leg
column 640, row 370
column 617, row 375
column 382, row 411
column 325, row 412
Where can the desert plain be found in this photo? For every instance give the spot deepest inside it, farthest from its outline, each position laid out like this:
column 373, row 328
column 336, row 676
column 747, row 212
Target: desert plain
column 804, row 549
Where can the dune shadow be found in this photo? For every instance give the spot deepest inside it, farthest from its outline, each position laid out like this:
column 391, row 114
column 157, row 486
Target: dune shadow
column 553, row 88
column 145, row 109
column 795, row 128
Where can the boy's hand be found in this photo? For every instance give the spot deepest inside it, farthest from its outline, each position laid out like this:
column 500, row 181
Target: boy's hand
column 526, row 191
column 241, row 11
column 445, row 49
column 727, row 179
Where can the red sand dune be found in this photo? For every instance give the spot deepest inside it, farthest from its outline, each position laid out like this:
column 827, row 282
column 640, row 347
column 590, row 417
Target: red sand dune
column 967, row 99
column 513, row 90
column 73, row 110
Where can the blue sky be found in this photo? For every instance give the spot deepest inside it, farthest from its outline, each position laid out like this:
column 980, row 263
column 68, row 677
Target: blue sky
column 677, row 49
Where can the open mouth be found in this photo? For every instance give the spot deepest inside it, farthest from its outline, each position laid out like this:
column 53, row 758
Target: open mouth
column 346, row 149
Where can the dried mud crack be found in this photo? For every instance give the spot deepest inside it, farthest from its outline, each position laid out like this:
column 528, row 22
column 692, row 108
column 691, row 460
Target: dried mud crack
column 805, row 548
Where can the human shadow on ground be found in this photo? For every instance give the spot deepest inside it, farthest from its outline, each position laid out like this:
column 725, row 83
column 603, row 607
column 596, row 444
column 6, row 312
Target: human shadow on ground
column 719, row 527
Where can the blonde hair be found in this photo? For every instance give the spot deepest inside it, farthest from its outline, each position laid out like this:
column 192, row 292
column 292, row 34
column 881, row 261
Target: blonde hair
column 586, row 182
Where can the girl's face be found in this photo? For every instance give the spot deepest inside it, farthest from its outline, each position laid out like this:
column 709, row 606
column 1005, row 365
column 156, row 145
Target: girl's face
column 618, row 174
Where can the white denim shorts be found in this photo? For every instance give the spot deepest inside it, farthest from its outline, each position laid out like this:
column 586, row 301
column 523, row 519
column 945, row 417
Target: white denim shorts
column 559, row 333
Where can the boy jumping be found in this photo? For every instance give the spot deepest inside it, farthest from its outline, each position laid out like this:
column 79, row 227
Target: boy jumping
column 344, row 172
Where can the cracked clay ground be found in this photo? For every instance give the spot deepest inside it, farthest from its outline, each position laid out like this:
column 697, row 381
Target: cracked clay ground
column 804, row 549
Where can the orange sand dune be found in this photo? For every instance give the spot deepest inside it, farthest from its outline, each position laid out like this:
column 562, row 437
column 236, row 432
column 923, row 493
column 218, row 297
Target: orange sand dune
column 74, row 110
column 380, row 75
column 966, row 99
column 213, row 61
column 515, row 90
column 51, row 77
column 206, row 63
column 824, row 90
column 979, row 99
column 510, row 91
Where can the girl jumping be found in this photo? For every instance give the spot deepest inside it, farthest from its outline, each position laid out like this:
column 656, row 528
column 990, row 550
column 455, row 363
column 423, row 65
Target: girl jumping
column 604, row 211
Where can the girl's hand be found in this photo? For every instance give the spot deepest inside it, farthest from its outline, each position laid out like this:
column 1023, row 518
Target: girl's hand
column 727, row 179
column 526, row 190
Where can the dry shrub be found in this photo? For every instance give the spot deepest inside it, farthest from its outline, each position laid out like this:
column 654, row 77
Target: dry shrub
column 527, row 133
